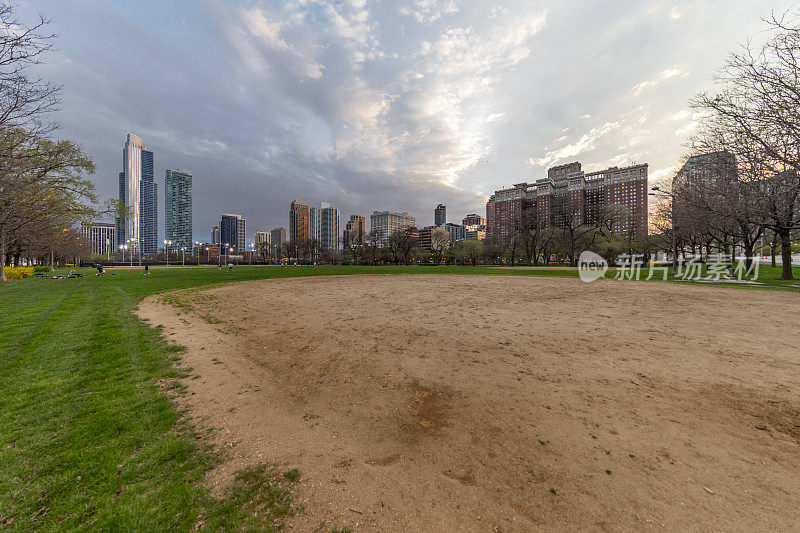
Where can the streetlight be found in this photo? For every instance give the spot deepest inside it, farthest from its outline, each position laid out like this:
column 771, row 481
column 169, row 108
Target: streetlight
column 208, row 256
column 166, row 248
column 122, row 249
column 183, row 256
column 671, row 196
column 130, row 256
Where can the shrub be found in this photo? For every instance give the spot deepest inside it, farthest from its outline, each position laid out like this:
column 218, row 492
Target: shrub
column 345, row 262
column 41, row 268
column 19, row 272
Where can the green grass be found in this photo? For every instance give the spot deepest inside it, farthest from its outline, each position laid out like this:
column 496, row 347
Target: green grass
column 88, row 437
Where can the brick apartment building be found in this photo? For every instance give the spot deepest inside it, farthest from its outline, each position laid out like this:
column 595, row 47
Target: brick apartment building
column 568, row 196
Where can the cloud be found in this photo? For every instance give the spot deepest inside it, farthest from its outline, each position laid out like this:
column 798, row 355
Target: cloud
column 428, row 11
column 666, row 74
column 378, row 105
column 584, row 144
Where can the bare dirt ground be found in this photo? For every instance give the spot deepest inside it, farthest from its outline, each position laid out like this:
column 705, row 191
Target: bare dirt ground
column 481, row 403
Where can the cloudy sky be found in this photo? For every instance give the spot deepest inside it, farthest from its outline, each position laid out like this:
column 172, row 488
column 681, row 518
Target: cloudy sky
column 379, row 105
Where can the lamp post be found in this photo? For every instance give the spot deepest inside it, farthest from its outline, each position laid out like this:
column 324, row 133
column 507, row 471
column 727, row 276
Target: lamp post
column 129, row 246
column 183, row 256
column 166, row 249
column 208, row 258
column 122, row 249
column 671, row 196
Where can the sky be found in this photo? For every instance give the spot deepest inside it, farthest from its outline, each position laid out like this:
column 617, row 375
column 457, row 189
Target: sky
column 384, row 105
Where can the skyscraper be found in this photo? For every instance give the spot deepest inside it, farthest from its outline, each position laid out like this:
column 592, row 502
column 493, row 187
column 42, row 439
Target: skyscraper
column 232, row 233
column 354, row 231
column 299, row 226
column 215, row 235
column 277, row 240
column 262, row 244
column 138, row 194
column 440, row 215
column 324, row 227
column 129, row 189
column 386, row 223
column 178, row 206
column 148, row 205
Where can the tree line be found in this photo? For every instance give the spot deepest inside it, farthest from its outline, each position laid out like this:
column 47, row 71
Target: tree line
column 44, row 190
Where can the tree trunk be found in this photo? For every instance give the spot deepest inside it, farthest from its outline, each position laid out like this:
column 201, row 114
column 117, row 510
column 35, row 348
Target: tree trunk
column 773, row 247
column 2, row 255
column 52, row 265
column 786, row 254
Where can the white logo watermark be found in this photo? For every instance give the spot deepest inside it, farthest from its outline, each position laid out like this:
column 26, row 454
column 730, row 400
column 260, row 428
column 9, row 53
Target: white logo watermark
column 591, row 266
column 713, row 268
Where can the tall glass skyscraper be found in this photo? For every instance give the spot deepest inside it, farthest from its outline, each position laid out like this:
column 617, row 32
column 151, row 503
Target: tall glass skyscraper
column 148, row 219
column 232, row 233
column 138, row 194
column 178, row 206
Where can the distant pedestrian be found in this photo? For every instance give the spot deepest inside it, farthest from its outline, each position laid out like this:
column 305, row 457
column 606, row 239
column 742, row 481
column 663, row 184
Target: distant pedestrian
column 219, row 266
column 147, row 270
column 230, row 267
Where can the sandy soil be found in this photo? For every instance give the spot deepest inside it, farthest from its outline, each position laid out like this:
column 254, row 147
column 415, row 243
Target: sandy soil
column 482, row 403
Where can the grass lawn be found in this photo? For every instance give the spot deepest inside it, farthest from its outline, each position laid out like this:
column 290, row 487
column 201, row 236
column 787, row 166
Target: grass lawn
column 88, row 437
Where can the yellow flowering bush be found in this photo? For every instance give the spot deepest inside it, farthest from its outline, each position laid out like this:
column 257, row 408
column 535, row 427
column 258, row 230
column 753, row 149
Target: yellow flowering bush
column 19, row 272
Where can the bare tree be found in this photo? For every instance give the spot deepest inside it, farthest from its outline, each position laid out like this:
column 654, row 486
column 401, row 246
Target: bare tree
column 755, row 114
column 440, row 241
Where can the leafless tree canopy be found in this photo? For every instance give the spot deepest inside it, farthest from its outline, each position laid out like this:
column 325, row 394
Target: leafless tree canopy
column 754, row 114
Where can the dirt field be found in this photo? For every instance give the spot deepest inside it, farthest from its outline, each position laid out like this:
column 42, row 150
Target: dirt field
column 482, row 403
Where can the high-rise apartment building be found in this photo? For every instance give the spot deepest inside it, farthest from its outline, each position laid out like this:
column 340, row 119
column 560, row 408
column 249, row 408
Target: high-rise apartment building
column 440, row 215
column 262, row 244
column 215, row 237
column 148, row 219
column 277, row 240
column 386, row 223
column 100, row 236
column 324, row 226
column 299, row 222
column 329, row 228
column 178, row 206
column 233, row 233
column 456, row 231
column 138, row 193
column 130, row 180
column 474, row 220
column 570, row 197
column 354, row 231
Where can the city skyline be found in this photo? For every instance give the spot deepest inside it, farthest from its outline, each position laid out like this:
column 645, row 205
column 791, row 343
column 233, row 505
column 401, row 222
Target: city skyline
column 370, row 119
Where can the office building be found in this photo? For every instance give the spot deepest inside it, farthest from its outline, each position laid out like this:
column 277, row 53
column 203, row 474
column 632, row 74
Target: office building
column 101, row 237
column 440, row 215
column 387, row 223
column 233, row 233
column 299, row 222
column 215, row 235
column 178, row 206
column 277, row 239
column 354, row 231
column 569, row 197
